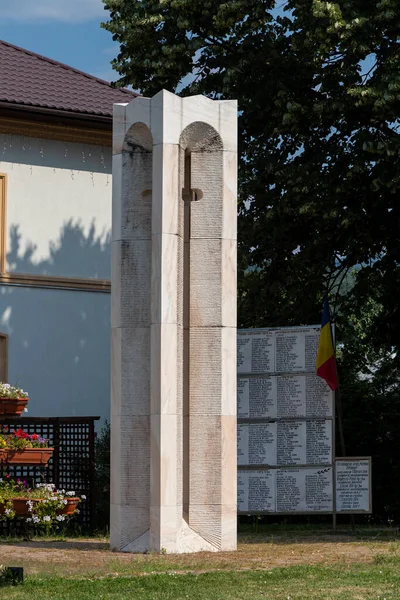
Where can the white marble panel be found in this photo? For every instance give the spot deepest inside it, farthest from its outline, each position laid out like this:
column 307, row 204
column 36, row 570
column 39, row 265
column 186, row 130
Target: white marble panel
column 229, row 198
column 205, row 371
column 227, row 128
column 130, row 371
column 131, row 286
column 166, row 118
column 200, row 108
column 213, row 283
column 127, row 525
column 228, row 372
column 164, row 441
column 139, row 111
column 136, row 197
column 228, row 460
column 178, row 113
column 166, row 188
column 164, row 279
column 229, row 528
column 228, row 283
column 165, row 522
column 119, row 127
column 164, row 368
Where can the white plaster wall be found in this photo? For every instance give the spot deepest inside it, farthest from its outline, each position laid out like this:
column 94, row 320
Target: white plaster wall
column 59, row 345
column 58, row 207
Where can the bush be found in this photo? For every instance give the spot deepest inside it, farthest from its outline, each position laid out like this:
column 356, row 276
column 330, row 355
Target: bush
column 102, row 477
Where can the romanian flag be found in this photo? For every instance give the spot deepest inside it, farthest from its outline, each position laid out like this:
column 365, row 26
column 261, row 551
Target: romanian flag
column 326, row 364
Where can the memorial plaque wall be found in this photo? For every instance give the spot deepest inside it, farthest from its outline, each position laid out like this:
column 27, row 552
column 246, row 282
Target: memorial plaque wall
column 353, row 485
column 285, row 423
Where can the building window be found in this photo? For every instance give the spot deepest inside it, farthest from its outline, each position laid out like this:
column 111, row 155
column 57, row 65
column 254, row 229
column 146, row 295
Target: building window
column 3, row 225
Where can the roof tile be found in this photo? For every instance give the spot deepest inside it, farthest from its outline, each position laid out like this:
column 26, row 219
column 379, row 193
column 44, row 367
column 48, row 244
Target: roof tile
column 29, row 79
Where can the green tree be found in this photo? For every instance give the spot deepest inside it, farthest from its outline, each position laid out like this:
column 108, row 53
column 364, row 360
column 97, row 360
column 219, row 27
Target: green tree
column 318, row 89
column 318, row 85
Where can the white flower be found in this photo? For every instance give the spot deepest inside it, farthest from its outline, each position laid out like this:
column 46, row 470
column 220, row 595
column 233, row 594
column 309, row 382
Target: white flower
column 35, row 519
column 60, row 518
column 29, row 520
column 70, row 493
column 8, row 511
column 7, row 386
column 47, row 518
column 83, row 497
column 65, row 501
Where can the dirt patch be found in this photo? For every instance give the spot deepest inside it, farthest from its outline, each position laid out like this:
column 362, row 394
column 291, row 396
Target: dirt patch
column 92, row 557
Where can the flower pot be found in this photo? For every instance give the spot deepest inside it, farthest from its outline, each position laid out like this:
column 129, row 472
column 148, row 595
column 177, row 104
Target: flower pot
column 21, row 507
column 26, row 456
column 12, row 406
column 70, row 508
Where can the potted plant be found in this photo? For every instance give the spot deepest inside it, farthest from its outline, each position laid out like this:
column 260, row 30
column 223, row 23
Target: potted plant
column 20, row 448
column 13, row 400
column 42, row 505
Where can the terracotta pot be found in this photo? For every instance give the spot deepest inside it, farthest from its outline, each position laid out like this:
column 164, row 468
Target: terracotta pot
column 69, row 508
column 21, row 507
column 26, row 456
column 12, row 406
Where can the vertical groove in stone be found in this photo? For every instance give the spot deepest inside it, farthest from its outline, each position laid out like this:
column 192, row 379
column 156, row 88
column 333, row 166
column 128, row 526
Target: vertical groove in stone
column 131, row 294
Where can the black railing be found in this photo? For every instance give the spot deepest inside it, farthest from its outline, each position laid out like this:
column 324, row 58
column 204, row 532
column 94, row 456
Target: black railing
column 72, row 466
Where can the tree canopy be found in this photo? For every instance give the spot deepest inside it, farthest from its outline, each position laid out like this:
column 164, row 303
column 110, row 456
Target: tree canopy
column 318, row 85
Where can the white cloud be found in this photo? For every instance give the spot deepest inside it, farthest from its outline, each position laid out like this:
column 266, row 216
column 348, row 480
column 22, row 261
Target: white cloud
column 74, row 11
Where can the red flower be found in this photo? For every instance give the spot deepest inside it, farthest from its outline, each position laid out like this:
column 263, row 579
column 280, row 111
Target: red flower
column 21, row 434
column 34, row 436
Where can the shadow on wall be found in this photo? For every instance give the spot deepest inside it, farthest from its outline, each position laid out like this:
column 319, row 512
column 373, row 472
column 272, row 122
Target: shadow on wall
column 59, row 340
column 73, row 255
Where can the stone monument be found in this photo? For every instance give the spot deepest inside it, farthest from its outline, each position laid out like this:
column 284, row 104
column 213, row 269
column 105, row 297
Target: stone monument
column 173, row 319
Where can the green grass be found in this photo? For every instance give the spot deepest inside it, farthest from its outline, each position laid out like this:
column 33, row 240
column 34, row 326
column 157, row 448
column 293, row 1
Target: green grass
column 380, row 579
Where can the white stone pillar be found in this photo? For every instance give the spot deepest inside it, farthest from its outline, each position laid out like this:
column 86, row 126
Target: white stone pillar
column 173, row 404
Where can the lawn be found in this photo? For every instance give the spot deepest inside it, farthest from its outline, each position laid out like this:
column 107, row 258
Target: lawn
column 287, row 565
column 297, row 583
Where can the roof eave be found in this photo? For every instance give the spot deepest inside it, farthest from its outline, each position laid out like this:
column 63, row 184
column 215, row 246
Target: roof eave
column 65, row 114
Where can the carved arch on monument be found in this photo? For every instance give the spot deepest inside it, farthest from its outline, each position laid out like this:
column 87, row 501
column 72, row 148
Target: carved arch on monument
column 137, row 166
column 132, row 264
column 201, row 176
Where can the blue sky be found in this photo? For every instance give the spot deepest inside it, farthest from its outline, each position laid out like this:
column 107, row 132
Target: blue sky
column 65, row 30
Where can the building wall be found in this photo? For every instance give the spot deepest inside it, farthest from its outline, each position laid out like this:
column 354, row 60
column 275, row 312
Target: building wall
column 58, row 349
column 58, row 221
column 58, row 207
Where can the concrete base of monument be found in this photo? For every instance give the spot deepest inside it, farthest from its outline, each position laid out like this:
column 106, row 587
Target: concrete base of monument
column 190, row 541
column 140, row 545
column 187, row 541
